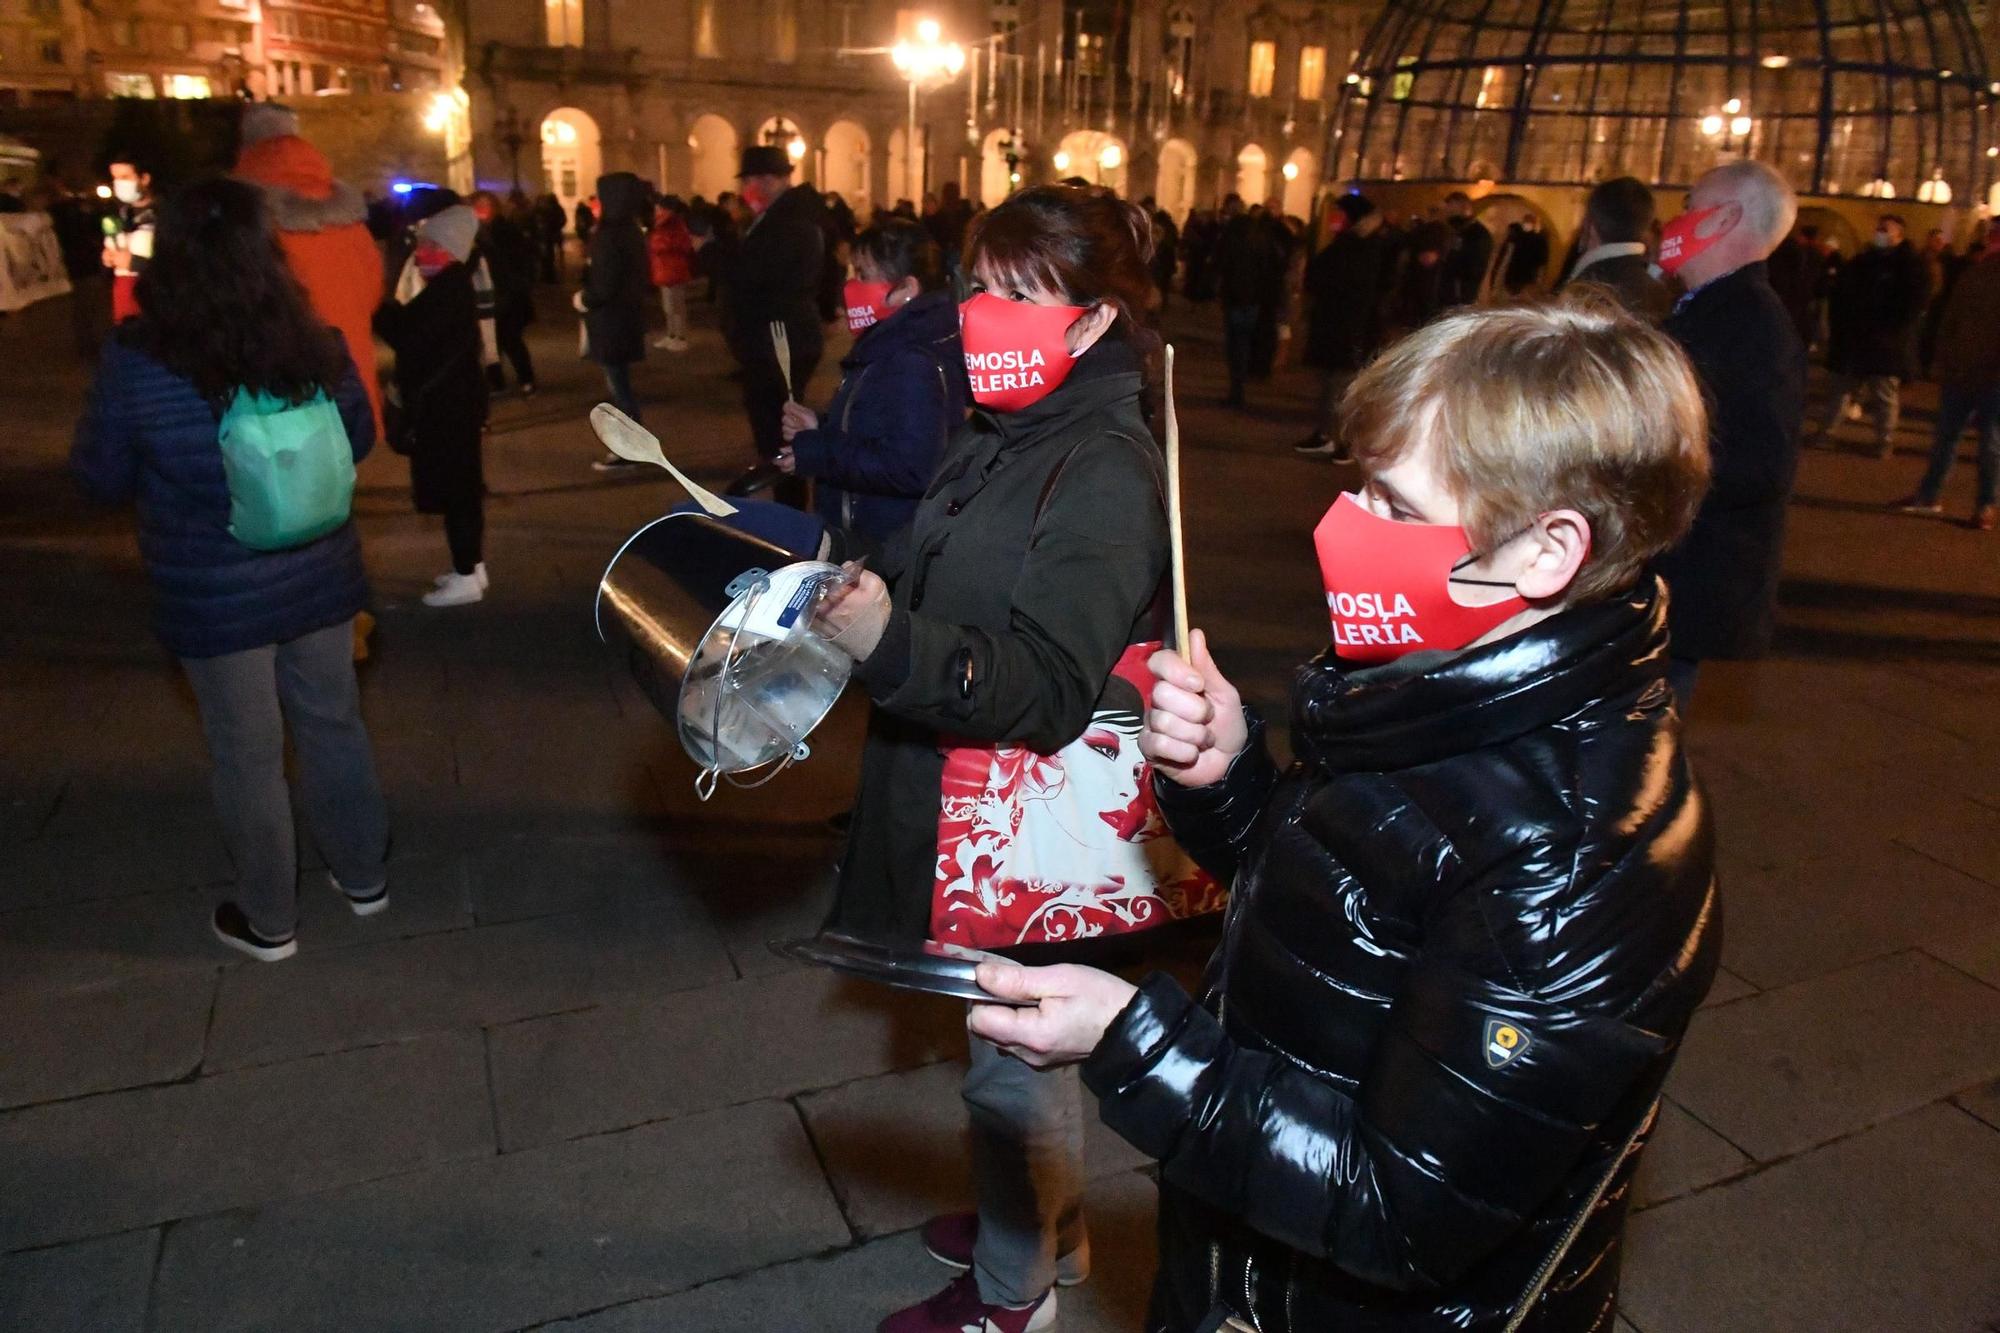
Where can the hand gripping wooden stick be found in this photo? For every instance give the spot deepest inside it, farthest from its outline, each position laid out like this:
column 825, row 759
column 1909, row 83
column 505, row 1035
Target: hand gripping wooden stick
column 781, row 345
column 1176, row 542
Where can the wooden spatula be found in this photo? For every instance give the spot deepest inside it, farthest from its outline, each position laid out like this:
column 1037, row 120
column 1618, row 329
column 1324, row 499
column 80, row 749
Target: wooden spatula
column 628, row 439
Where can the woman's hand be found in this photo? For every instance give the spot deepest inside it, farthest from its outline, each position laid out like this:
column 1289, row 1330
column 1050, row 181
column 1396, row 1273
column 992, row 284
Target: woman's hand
column 786, row 461
column 1076, row 1004
column 854, row 617
column 1195, row 728
column 798, row 417
column 576, row 303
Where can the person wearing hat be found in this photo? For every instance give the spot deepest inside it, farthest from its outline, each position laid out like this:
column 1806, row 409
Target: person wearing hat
column 1348, row 285
column 441, row 388
column 774, row 276
column 322, row 227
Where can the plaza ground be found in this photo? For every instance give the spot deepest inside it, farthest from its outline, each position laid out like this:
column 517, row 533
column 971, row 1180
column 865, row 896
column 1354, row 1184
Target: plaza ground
column 563, row 1082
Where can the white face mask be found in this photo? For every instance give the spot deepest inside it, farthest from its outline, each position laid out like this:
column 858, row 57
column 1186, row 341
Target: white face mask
column 1883, row 240
column 126, row 190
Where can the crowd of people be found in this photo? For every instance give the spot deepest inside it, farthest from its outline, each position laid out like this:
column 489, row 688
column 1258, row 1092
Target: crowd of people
column 1465, row 928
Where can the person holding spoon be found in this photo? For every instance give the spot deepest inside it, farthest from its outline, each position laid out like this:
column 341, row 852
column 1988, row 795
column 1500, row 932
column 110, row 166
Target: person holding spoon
column 1470, row 923
column 1015, row 632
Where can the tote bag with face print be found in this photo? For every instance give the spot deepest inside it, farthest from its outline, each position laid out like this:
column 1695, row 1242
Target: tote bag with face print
column 1064, row 847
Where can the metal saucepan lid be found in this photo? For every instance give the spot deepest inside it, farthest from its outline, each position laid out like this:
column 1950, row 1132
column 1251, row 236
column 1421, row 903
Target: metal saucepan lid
column 930, row 967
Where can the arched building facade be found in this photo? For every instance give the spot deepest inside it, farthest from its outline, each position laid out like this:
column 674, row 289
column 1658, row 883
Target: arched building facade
column 1159, row 98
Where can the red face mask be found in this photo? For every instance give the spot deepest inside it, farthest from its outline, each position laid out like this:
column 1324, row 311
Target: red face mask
column 432, row 258
column 1388, row 586
column 1015, row 352
column 1679, row 244
column 867, row 304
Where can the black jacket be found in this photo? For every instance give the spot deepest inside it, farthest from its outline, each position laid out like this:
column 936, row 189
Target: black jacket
column 1752, row 368
column 1348, row 285
column 1630, row 279
column 1465, row 262
column 618, row 282
column 1468, row 929
column 1873, row 311
column 1251, row 260
column 1018, row 598
column 441, row 385
column 775, row 274
column 902, row 394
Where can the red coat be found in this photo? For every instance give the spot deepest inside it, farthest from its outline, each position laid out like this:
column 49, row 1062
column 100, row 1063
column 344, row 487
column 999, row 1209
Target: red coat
column 672, row 250
column 322, row 228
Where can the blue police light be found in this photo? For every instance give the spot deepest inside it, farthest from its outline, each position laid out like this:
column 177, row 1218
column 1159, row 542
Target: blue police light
column 402, row 187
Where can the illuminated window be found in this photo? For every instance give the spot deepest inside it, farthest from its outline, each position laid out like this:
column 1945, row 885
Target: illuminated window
column 1180, row 51
column 186, row 85
column 707, row 41
column 1312, row 73
column 565, row 19
column 1263, row 67
column 129, row 85
column 784, row 31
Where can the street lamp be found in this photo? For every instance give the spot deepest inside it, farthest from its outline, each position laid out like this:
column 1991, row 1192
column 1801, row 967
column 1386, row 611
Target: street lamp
column 512, row 137
column 932, row 62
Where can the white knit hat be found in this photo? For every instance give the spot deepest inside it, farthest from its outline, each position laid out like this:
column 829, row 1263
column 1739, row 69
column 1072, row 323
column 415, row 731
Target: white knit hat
column 453, row 229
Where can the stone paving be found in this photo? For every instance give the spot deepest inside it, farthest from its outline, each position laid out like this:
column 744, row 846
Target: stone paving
column 563, row 1082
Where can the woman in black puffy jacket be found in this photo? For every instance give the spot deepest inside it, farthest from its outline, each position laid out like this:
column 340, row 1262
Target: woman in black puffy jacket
column 1472, row 920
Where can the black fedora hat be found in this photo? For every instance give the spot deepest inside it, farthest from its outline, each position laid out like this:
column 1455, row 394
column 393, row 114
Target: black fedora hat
column 764, row 160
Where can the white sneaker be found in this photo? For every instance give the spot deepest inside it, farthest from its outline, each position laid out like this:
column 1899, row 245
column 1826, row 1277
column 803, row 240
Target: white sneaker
column 478, row 572
column 362, row 904
column 456, row 590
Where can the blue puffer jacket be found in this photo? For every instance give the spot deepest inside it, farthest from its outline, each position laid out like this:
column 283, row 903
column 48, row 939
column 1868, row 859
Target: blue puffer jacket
column 902, row 393
column 146, row 433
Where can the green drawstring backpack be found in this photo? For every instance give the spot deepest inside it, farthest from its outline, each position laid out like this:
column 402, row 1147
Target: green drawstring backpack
column 290, row 469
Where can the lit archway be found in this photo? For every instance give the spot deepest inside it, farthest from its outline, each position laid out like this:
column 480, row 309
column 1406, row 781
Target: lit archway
column 844, row 166
column 1301, row 173
column 713, row 142
column 1098, row 157
column 572, row 158
column 1252, row 175
column 996, row 173
column 1176, row 186
column 784, row 132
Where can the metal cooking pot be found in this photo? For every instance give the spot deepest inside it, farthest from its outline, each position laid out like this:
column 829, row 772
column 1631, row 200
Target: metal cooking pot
column 714, row 625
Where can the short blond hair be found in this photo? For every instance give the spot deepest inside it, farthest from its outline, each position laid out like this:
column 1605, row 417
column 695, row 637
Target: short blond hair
column 1564, row 404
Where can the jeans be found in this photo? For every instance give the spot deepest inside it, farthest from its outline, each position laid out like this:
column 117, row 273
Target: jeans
column 1332, row 388
column 246, row 699
column 1239, row 337
column 1880, row 392
column 618, row 379
column 674, row 303
column 1956, row 407
column 1027, row 1169
column 509, row 330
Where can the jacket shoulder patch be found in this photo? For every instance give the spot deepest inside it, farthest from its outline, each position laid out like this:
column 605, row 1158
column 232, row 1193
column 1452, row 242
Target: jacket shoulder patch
column 1504, row 1042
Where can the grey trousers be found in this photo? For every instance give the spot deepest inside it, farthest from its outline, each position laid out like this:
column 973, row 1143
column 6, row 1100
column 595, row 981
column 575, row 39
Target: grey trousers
column 246, row 700
column 1027, row 1169
column 1880, row 394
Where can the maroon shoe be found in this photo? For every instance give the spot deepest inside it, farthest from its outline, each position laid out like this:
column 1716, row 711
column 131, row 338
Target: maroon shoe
column 959, row 1309
column 949, row 1240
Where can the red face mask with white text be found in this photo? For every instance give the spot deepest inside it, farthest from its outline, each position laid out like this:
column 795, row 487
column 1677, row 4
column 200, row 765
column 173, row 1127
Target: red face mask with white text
column 1015, row 351
column 867, row 304
column 1678, row 242
column 1388, row 586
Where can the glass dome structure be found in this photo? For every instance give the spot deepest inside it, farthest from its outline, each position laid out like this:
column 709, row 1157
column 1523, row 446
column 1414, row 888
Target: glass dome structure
column 1880, row 98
